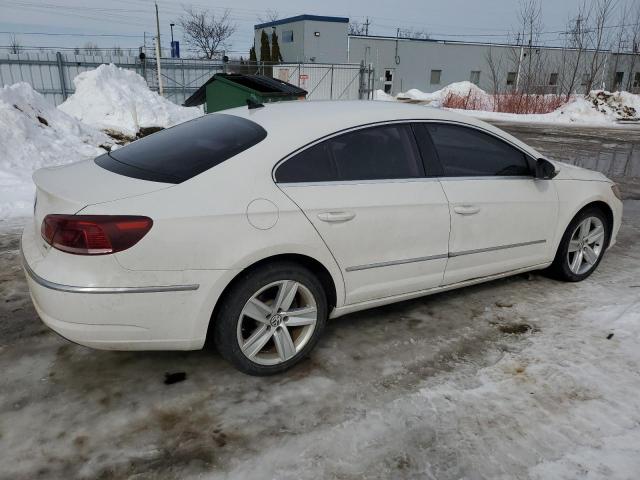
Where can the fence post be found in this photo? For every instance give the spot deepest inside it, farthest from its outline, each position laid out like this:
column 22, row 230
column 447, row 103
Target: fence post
column 63, row 86
column 361, row 87
column 331, row 85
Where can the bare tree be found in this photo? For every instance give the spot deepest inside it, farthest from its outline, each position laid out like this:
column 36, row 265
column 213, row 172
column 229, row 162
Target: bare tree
column 495, row 70
column 619, row 43
column 91, row 49
column 269, row 16
column 600, row 39
column 529, row 60
column 14, row 45
column 634, row 44
column 576, row 44
column 413, row 33
column 207, row 32
column 357, row 28
column 117, row 51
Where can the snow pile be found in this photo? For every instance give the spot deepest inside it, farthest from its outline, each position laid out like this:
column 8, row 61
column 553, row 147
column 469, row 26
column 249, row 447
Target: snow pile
column 597, row 108
column 624, row 105
column 462, row 89
column 382, row 96
column 35, row 134
column 118, row 100
column 592, row 110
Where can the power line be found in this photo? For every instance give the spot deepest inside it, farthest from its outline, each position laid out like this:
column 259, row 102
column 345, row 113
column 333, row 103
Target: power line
column 61, row 34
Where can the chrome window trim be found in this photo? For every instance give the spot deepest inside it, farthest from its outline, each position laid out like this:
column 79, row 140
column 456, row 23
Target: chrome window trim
column 442, row 256
column 486, row 177
column 408, row 121
column 101, row 290
column 357, row 182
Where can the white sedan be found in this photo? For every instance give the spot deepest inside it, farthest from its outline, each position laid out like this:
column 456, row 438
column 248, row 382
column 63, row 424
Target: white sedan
column 253, row 226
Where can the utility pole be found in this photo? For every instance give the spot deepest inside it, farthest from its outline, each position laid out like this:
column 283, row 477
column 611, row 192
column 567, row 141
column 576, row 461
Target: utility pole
column 521, row 57
column 366, row 27
column 158, row 53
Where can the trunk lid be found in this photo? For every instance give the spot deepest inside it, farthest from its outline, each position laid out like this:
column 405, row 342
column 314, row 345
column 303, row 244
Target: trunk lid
column 70, row 188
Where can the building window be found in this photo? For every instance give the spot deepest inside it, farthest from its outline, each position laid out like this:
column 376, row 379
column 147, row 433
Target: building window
column 475, row 77
column 619, row 78
column 553, row 79
column 388, row 81
column 435, row 77
column 636, row 81
column 287, row 36
column 511, row 78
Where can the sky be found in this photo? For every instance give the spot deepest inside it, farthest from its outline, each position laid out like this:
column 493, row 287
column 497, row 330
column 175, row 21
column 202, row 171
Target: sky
column 71, row 23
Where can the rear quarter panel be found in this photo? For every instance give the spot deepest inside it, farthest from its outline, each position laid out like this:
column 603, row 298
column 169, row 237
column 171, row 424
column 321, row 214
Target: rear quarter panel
column 203, row 224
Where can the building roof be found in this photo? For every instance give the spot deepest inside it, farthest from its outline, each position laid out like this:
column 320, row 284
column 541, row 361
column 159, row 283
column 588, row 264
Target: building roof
column 300, row 18
column 467, row 42
column 259, row 83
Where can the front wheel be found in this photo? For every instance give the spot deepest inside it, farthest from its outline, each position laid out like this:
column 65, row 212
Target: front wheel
column 271, row 319
column 582, row 246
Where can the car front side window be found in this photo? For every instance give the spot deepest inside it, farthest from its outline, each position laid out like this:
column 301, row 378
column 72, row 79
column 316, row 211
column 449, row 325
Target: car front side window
column 466, row 152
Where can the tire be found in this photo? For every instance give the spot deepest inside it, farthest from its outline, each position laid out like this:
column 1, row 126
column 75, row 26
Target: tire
column 564, row 264
column 255, row 334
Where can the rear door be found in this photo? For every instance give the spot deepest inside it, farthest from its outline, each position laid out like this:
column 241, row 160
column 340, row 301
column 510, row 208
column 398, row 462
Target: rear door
column 502, row 218
column 367, row 195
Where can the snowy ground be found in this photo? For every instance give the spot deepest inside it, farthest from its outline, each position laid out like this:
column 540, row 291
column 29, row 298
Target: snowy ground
column 433, row 388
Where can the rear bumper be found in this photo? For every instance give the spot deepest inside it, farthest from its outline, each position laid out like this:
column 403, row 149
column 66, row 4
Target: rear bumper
column 155, row 311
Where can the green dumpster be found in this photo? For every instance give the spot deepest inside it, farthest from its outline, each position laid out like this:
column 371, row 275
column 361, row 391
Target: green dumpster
column 224, row 91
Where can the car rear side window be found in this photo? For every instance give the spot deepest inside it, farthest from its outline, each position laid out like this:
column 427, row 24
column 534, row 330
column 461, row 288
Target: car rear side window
column 376, row 153
column 466, row 152
column 179, row 153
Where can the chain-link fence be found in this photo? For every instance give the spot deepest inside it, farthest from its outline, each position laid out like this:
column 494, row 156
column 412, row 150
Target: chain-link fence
column 52, row 74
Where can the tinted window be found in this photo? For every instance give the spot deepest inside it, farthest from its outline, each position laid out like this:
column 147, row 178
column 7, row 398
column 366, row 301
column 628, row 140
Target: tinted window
column 465, row 152
column 315, row 164
column 186, row 150
column 387, row 152
column 377, row 153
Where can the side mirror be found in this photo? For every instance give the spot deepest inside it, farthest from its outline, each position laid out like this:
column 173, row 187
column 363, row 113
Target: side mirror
column 545, row 170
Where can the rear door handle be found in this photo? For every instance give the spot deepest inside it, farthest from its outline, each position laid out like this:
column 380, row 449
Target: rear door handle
column 336, row 217
column 466, row 209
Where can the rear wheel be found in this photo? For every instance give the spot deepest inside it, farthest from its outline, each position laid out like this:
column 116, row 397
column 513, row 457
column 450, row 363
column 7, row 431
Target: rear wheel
column 271, row 319
column 582, row 246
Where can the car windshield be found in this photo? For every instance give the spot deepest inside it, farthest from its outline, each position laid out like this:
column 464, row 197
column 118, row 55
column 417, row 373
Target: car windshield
column 179, row 153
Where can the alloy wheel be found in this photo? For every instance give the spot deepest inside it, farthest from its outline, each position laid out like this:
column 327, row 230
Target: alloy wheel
column 277, row 322
column 586, row 245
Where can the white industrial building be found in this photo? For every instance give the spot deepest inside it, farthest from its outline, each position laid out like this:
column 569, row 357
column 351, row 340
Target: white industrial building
column 399, row 64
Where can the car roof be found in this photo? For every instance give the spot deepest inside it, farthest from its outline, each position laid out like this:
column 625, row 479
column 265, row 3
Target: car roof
column 305, row 121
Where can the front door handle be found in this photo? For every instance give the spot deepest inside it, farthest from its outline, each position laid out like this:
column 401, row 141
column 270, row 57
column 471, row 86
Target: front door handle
column 466, row 209
column 336, row 217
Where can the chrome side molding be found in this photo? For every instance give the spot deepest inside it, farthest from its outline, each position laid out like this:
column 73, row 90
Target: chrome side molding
column 101, row 290
column 493, row 249
column 444, row 255
column 395, row 262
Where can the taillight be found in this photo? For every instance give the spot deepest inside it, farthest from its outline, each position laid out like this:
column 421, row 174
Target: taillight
column 94, row 234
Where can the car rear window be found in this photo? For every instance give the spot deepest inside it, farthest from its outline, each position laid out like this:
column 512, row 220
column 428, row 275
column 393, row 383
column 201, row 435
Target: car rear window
column 179, row 153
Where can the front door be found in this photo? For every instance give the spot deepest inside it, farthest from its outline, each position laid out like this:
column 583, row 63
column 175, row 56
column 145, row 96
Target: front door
column 502, row 218
column 366, row 194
